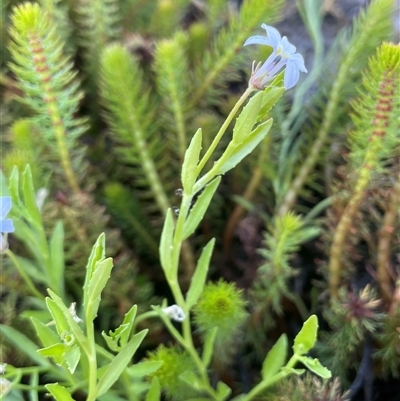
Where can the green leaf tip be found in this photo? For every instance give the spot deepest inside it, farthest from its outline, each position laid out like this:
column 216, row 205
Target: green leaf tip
column 307, row 336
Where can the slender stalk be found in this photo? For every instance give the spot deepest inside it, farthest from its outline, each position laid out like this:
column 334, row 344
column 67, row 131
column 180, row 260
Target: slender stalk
column 384, row 241
column 91, row 355
column 223, row 128
column 266, row 383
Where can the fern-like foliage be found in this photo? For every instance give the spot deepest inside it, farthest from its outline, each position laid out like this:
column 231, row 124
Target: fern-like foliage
column 98, row 26
column 57, row 11
column 284, row 238
column 50, row 88
column 132, row 120
column 353, row 316
column 371, row 28
column 172, row 75
column 374, row 142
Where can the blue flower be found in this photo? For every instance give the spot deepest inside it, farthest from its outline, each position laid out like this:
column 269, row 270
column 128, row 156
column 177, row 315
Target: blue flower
column 283, row 54
column 6, row 225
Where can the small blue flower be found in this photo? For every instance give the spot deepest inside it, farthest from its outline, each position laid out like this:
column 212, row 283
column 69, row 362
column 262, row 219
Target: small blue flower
column 283, row 54
column 6, row 225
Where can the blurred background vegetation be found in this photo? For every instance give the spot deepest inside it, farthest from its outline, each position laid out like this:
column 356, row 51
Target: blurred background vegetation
column 307, row 224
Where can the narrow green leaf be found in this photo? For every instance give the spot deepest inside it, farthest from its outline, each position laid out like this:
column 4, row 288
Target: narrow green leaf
column 200, row 207
column 72, row 357
column 29, row 196
column 247, row 118
column 59, row 318
column 166, row 246
column 112, row 343
column 44, row 332
column 154, row 393
column 129, row 318
column 57, row 254
column 54, row 351
column 307, row 336
column 209, row 342
column 315, row 366
column 97, row 283
column 223, row 390
column 271, row 95
column 59, row 392
column 276, row 358
column 24, row 344
column 235, row 153
column 145, row 368
column 199, row 277
column 120, row 362
column 190, row 162
column 14, row 185
column 73, row 325
column 97, row 254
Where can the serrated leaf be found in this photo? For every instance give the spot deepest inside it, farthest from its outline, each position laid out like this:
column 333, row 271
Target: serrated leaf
column 59, row 318
column 120, row 362
column 200, row 275
column 97, row 283
column 307, row 336
column 166, row 246
column 73, row 325
column 247, row 118
column 145, row 368
column 235, row 153
column 55, row 351
column 97, row 254
column 208, row 348
column 72, row 357
column 200, row 207
column 315, row 366
column 59, row 392
column 190, row 162
column 129, row 318
column 271, row 96
column 276, row 358
column 154, row 393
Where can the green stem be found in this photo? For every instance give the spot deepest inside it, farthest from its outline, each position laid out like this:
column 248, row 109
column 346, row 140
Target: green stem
column 266, row 383
column 91, row 355
column 223, row 128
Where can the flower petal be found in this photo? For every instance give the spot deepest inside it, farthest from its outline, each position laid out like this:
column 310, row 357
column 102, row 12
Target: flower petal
column 6, row 226
column 299, row 61
column 287, row 47
column 291, row 75
column 5, row 206
column 258, row 40
column 273, row 34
